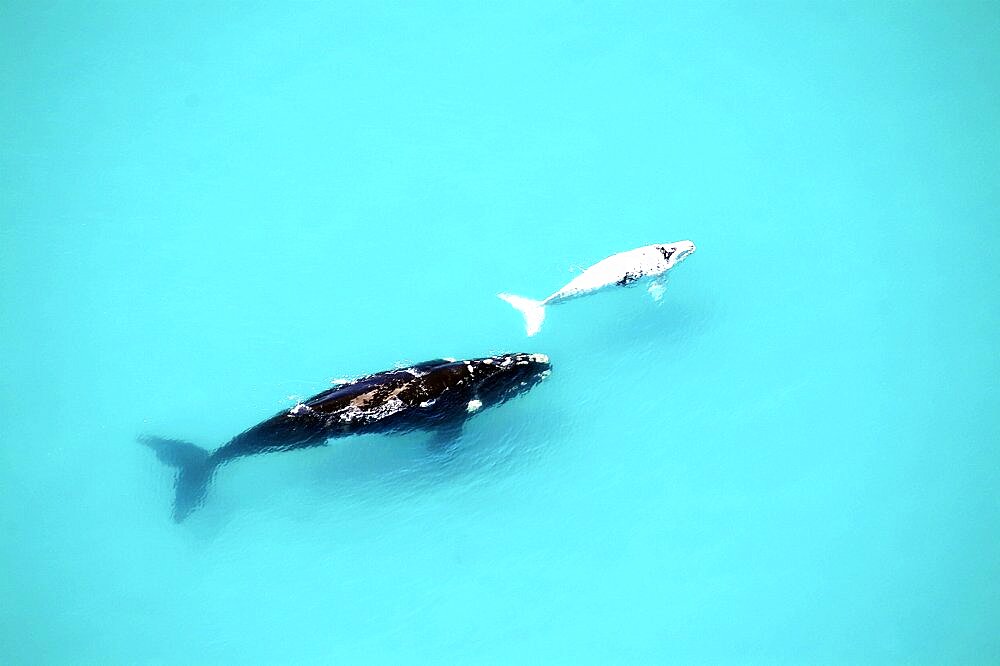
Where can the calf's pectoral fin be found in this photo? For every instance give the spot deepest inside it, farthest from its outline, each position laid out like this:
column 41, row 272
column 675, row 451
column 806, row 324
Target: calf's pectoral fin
column 656, row 288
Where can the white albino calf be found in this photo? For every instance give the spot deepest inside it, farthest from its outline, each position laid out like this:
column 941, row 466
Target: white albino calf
column 619, row 270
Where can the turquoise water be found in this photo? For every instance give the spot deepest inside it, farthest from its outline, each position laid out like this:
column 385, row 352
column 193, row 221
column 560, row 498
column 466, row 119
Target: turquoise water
column 210, row 209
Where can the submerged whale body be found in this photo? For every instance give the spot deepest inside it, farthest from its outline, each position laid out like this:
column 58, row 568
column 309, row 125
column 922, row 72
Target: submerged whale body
column 435, row 395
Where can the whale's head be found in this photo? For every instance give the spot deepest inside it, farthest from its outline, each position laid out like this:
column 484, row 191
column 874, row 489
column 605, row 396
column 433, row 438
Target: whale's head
column 499, row 378
column 675, row 253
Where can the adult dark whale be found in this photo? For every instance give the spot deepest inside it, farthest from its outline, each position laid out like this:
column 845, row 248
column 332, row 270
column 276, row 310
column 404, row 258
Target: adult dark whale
column 436, row 395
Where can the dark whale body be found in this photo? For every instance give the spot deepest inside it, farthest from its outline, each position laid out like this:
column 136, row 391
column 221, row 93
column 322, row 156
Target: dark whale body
column 436, row 395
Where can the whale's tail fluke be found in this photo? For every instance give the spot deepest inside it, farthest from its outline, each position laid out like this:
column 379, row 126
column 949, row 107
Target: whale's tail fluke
column 533, row 311
column 195, row 467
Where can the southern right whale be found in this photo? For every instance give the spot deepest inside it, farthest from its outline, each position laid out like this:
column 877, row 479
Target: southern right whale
column 436, row 395
column 619, row 270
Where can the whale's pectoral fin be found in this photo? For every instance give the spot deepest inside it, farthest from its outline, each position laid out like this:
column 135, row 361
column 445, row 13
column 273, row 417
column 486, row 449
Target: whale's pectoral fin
column 656, row 288
column 445, row 436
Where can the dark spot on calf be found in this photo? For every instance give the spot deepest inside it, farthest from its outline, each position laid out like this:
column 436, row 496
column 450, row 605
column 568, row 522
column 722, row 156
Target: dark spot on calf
column 628, row 279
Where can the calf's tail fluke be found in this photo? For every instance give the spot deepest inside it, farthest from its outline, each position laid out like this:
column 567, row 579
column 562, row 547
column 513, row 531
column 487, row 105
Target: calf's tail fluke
column 533, row 311
column 195, row 467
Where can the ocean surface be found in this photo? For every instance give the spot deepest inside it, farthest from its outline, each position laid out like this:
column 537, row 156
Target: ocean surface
column 209, row 210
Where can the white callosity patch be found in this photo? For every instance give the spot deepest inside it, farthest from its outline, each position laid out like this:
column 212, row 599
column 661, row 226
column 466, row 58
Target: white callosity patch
column 350, row 414
column 389, row 407
column 474, row 405
column 299, row 409
column 356, row 413
column 428, row 403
